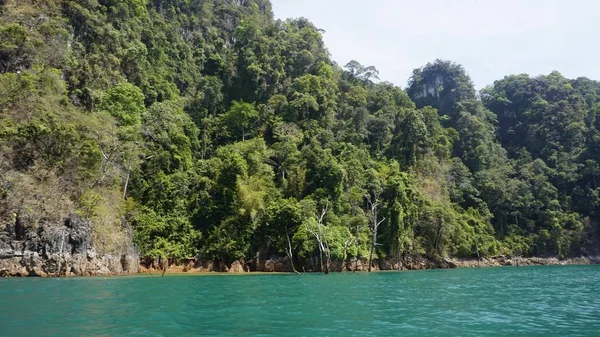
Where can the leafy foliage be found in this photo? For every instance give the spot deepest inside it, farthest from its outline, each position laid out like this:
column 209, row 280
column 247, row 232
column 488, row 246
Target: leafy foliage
column 215, row 130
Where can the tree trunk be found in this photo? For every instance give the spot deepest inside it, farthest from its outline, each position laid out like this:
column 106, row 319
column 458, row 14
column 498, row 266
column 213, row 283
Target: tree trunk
column 327, row 261
column 165, row 265
column 289, row 251
column 439, row 237
column 257, row 261
column 374, row 242
column 321, row 241
column 374, row 226
column 477, row 251
column 321, row 258
column 127, row 180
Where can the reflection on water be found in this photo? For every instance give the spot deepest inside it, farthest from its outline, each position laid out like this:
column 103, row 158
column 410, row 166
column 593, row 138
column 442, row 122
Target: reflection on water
column 542, row 301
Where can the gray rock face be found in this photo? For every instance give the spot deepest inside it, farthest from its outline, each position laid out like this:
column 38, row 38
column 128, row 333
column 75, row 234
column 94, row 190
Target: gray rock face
column 61, row 250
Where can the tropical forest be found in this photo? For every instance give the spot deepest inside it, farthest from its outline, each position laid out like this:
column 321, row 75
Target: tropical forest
column 209, row 130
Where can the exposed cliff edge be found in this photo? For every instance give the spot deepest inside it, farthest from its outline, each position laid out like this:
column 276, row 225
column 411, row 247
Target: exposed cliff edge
column 66, row 249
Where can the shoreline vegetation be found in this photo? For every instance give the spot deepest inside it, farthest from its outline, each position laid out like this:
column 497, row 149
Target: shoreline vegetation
column 139, row 130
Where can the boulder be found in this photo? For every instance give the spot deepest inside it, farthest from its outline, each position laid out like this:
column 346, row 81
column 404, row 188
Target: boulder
column 390, row 264
column 277, row 264
column 237, row 267
column 354, row 264
column 269, row 266
column 204, row 265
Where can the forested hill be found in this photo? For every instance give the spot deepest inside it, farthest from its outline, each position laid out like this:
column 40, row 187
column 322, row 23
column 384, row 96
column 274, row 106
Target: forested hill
column 217, row 131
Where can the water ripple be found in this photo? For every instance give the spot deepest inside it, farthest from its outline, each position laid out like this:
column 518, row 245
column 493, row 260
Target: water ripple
column 532, row 301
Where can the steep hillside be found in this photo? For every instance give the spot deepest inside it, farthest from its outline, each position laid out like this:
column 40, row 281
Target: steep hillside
column 211, row 130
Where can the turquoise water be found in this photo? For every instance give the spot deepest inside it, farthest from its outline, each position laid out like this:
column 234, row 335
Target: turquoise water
column 527, row 301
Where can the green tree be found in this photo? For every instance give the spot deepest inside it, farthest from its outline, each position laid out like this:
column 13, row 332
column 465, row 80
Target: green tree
column 240, row 119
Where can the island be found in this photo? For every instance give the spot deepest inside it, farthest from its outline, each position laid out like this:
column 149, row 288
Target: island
column 138, row 136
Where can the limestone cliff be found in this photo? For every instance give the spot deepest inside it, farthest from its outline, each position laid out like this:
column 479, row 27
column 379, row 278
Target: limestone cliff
column 64, row 249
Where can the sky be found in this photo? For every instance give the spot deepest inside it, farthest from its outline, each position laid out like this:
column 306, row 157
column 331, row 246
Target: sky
column 490, row 38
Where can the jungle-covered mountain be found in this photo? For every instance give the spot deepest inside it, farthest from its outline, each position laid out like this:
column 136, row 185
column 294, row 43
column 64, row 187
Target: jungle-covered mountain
column 217, row 131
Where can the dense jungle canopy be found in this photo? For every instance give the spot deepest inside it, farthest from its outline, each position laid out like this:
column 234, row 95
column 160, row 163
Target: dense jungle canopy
column 217, row 131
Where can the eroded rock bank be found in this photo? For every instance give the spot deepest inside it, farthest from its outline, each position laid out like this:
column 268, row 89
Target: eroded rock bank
column 501, row 261
column 66, row 249
column 281, row 264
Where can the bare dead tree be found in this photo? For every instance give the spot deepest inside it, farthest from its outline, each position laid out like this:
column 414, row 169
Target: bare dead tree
column 128, row 174
column 288, row 250
column 322, row 244
column 373, row 224
column 108, row 157
column 127, row 179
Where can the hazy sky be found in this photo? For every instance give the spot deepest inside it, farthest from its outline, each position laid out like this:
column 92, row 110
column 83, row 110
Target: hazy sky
column 491, row 38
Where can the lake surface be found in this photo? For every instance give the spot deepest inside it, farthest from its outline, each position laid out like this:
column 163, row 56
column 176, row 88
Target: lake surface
column 509, row 301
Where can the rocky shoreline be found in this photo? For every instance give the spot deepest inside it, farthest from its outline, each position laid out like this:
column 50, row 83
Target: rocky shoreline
column 276, row 264
column 62, row 250
column 55, row 265
column 68, row 249
column 501, row 261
